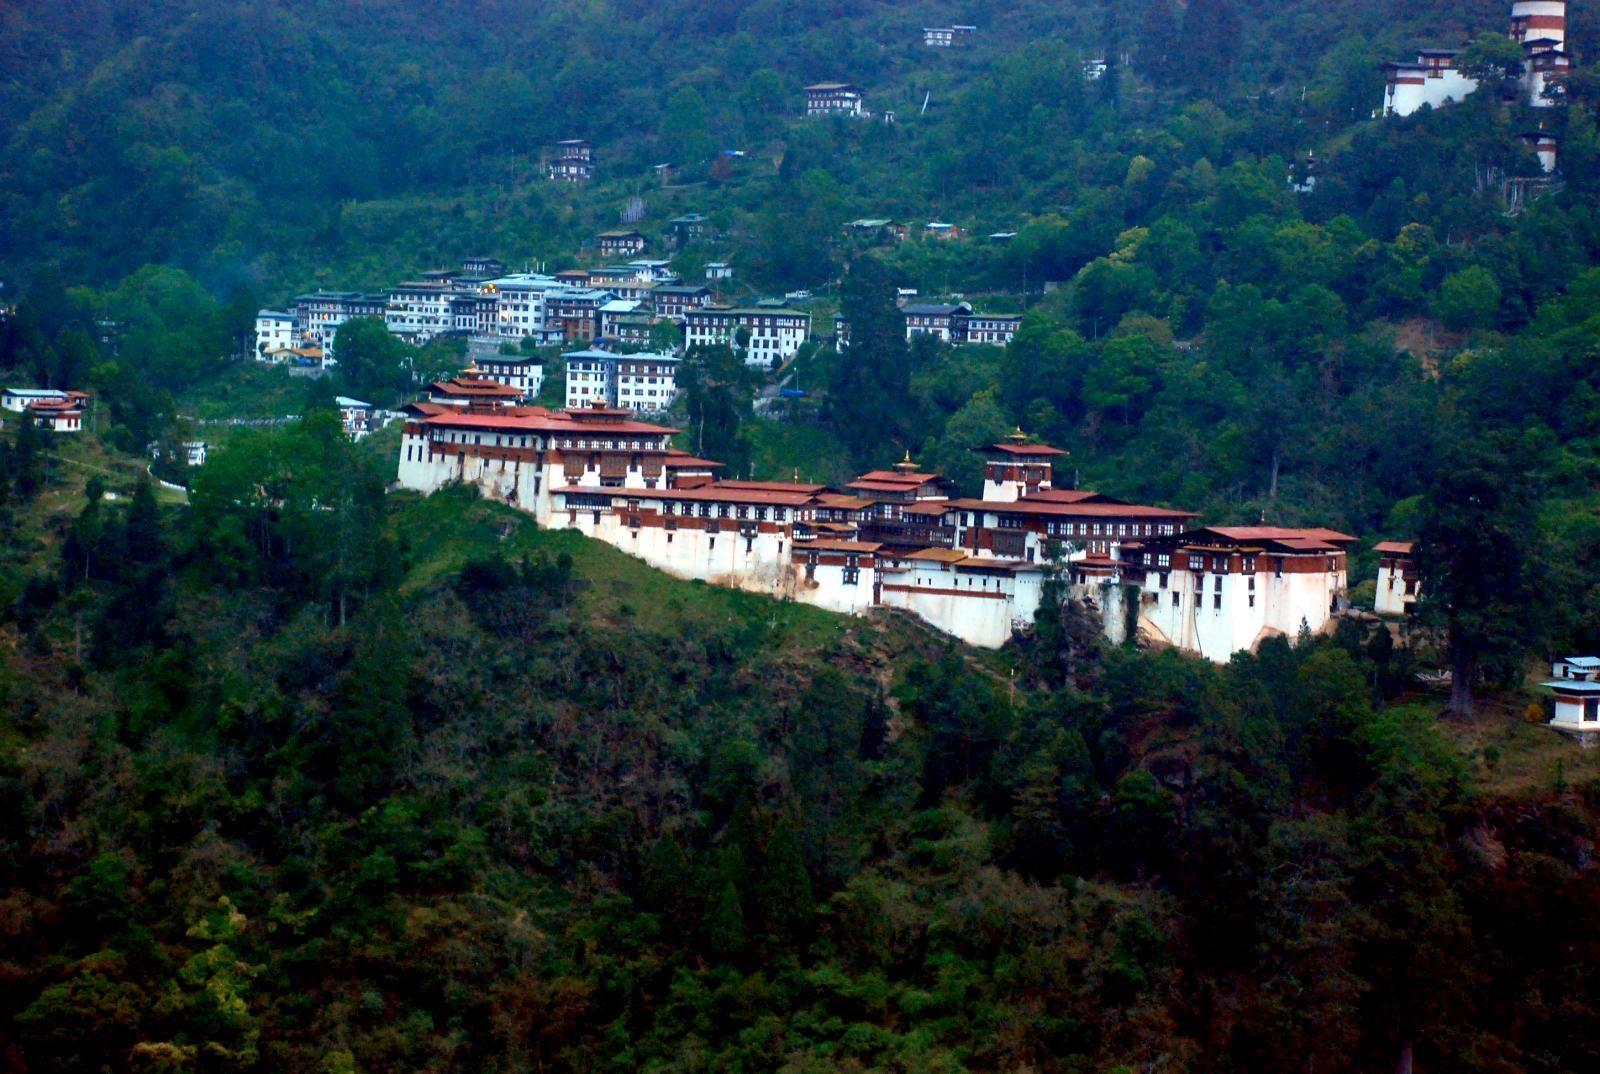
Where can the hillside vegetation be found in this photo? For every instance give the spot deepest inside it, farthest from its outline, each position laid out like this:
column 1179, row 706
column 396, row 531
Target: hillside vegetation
column 302, row 780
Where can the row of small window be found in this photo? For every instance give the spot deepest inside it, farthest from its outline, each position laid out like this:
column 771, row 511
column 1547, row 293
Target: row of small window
column 1097, row 529
column 741, row 511
column 1216, row 600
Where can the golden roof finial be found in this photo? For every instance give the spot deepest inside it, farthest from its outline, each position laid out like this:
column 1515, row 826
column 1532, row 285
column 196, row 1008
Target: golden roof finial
column 906, row 464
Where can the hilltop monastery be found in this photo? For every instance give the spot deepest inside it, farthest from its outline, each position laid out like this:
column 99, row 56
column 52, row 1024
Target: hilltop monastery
column 973, row 568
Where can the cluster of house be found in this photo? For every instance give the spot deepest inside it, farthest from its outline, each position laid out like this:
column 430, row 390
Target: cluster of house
column 951, row 322
column 892, row 231
column 896, row 538
column 1539, row 27
column 50, row 408
column 610, row 306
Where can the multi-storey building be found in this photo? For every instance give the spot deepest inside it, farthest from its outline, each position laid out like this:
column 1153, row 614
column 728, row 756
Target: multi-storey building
column 992, row 329
column 620, row 243
column 623, row 281
column 573, row 161
column 657, row 270
column 274, row 332
column 356, row 417
column 890, row 538
column 954, row 323
column 1398, row 580
column 1432, row 80
column 576, row 312
column 833, row 99
column 937, row 319
column 613, row 313
column 639, row 383
column 675, row 301
column 632, row 329
column 484, row 267
column 474, row 314
column 1217, row 590
column 418, row 310
column 1540, row 27
column 689, row 228
column 317, row 316
column 472, row 389
column 522, row 372
column 520, row 307
column 775, row 334
column 63, row 415
column 947, row 36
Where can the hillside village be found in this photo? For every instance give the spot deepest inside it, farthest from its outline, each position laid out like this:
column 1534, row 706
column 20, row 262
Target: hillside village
column 901, row 538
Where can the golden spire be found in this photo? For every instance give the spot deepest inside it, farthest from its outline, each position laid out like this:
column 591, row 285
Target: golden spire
column 906, row 465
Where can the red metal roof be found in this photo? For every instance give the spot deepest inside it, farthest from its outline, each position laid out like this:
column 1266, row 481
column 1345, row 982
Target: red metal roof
column 896, row 477
column 678, row 460
column 1040, row 450
column 1070, row 510
column 715, row 493
column 825, row 545
column 1280, row 534
column 772, row 486
column 1399, row 548
column 1069, row 496
column 540, row 420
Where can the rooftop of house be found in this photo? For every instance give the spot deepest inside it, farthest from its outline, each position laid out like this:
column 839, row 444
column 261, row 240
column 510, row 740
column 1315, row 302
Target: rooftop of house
column 1577, row 687
column 537, row 419
column 825, row 544
column 723, row 492
column 474, row 387
column 745, row 311
column 1078, row 509
column 1017, row 444
column 682, row 460
column 787, row 486
column 935, row 309
column 1069, row 496
column 1279, row 534
column 1395, row 548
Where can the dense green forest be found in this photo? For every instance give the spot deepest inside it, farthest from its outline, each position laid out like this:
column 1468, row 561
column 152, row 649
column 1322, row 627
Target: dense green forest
column 302, row 775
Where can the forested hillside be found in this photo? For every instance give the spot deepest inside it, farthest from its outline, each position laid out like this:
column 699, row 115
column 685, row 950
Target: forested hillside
column 307, row 778
column 268, row 145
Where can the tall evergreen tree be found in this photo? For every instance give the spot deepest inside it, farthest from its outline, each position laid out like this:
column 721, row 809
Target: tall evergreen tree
column 27, row 458
column 1480, row 557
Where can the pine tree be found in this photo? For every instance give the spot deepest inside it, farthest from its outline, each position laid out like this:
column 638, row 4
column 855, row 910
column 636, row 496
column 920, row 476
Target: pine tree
column 27, row 458
column 142, row 542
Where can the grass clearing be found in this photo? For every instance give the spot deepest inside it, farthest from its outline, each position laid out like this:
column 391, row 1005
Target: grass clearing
column 444, row 531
